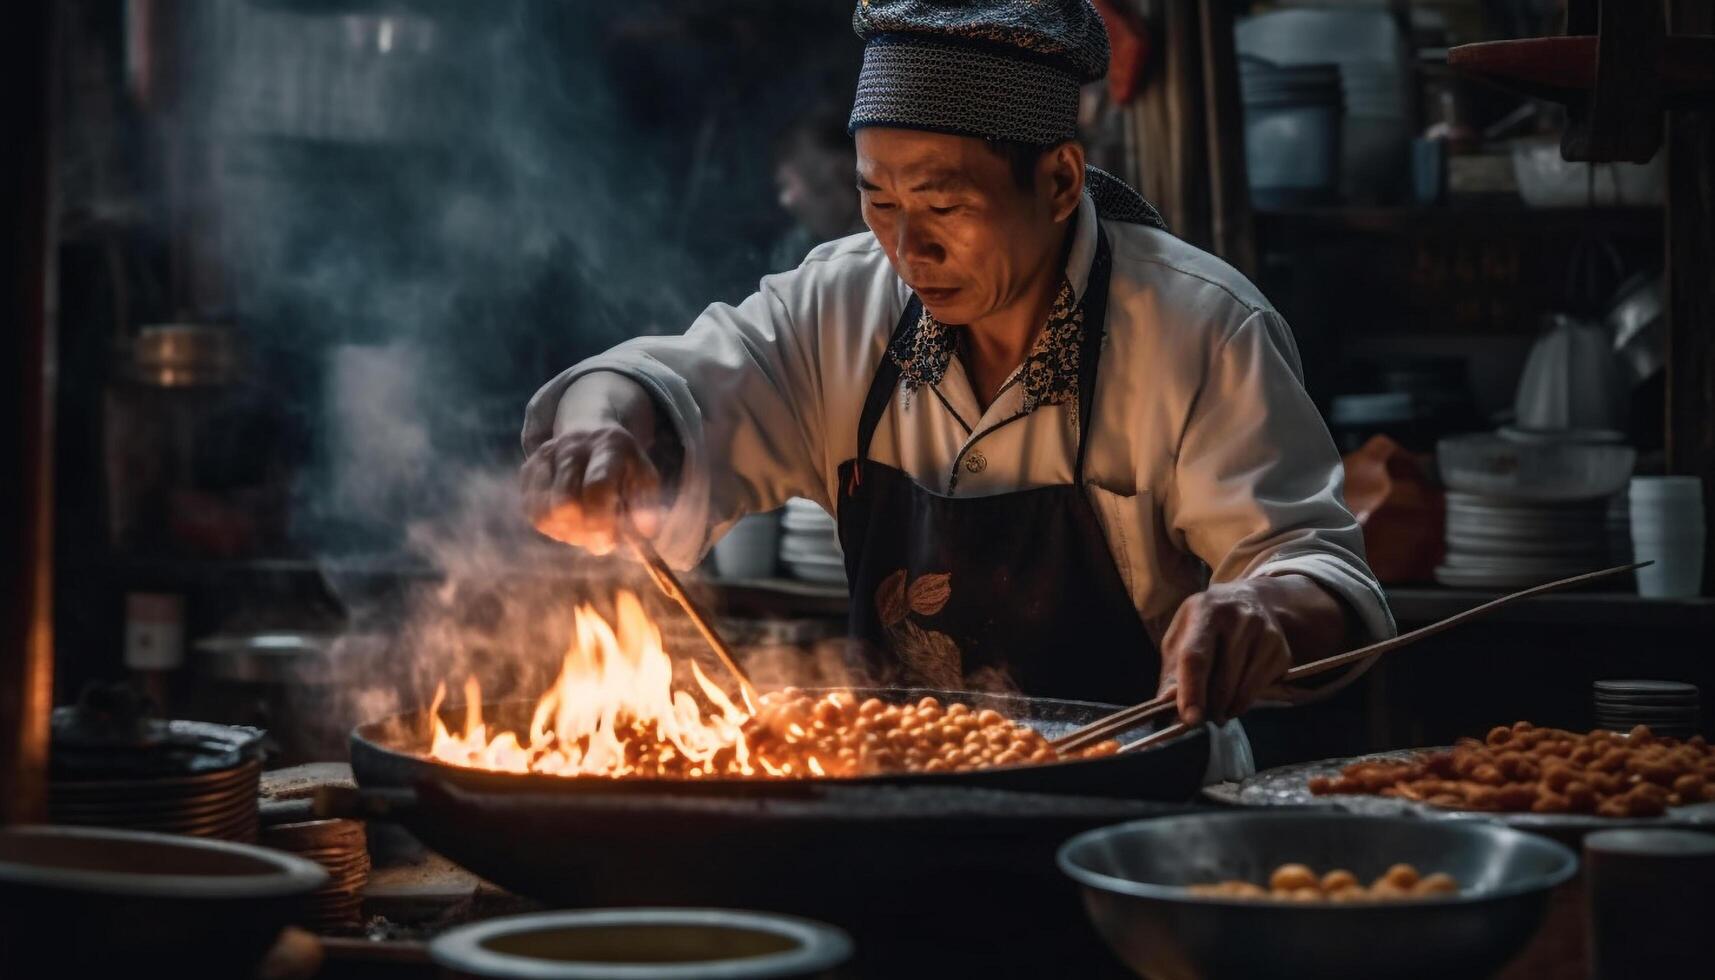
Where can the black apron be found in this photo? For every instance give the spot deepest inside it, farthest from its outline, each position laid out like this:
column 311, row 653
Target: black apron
column 1017, row 590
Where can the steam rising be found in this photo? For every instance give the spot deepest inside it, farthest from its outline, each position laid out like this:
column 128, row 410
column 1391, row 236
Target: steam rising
column 420, row 215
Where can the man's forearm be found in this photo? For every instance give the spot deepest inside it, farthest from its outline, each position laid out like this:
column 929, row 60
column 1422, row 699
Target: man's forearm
column 1316, row 623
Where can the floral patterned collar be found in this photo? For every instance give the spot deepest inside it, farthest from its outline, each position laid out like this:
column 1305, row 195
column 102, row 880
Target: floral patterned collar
column 1049, row 373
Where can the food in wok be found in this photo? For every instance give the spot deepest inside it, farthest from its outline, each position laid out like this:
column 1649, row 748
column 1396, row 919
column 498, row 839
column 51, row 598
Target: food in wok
column 1526, row 769
column 620, row 707
column 1298, row 883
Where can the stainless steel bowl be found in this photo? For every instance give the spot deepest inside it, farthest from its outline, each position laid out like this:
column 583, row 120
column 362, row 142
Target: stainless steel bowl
column 1133, row 879
column 643, row 944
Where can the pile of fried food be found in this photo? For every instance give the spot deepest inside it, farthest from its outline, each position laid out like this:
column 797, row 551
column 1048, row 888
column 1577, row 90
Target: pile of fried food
column 1526, row 769
column 1297, row 883
column 848, row 737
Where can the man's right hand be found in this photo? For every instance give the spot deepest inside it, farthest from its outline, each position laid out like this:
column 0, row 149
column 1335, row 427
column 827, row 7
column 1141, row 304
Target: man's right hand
column 596, row 468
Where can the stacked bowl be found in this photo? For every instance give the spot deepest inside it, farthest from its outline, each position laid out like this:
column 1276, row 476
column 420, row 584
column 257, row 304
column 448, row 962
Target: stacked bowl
column 810, row 543
column 1668, row 707
column 219, row 804
column 113, row 766
column 1372, row 55
column 1292, row 131
column 341, row 848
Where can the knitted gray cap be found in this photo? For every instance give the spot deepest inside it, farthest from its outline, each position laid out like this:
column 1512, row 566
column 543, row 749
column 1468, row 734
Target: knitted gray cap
column 996, row 69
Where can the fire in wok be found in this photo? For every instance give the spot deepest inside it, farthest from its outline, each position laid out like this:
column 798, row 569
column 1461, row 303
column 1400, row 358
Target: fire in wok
column 616, row 709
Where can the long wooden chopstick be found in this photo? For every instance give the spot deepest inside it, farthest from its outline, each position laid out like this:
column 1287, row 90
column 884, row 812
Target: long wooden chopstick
column 669, row 584
column 1126, row 719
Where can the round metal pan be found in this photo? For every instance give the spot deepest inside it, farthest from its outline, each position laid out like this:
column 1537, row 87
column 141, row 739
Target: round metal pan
column 388, row 754
column 1289, row 786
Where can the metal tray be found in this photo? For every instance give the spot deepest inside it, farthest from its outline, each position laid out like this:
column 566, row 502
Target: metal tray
column 1289, row 786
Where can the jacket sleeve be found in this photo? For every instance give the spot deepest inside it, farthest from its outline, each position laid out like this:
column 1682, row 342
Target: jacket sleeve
column 1258, row 482
column 742, row 389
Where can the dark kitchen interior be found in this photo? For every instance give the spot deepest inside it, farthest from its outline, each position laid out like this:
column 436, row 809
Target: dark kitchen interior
column 282, row 275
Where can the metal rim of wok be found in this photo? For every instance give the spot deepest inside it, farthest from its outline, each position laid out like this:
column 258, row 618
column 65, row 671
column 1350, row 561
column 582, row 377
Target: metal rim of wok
column 815, row 947
column 1071, row 861
column 380, row 755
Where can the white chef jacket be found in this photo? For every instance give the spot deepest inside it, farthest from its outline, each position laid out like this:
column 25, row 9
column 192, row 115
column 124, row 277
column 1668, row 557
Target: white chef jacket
column 1207, row 460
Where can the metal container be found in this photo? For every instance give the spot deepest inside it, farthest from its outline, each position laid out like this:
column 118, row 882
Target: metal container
column 652, row 943
column 1134, row 877
column 84, row 902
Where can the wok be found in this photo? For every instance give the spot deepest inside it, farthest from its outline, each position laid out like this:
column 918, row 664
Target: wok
column 915, row 866
column 388, row 753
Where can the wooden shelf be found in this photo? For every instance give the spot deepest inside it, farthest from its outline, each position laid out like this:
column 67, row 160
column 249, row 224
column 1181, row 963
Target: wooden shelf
column 1418, row 605
column 1479, row 214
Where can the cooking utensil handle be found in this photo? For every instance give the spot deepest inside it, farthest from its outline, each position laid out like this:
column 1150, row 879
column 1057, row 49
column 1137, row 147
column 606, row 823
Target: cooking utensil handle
column 1326, row 664
column 1126, row 719
column 669, row 583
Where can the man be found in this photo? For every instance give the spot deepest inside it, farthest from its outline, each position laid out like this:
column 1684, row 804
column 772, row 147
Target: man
column 813, row 163
column 1061, row 444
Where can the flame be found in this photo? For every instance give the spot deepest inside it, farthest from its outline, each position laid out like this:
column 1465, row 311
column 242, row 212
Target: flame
column 615, row 710
column 612, row 711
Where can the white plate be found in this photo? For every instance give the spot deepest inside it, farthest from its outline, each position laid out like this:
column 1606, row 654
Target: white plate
column 1546, row 568
column 1463, row 578
column 824, row 556
column 822, row 574
column 1524, row 547
column 812, row 543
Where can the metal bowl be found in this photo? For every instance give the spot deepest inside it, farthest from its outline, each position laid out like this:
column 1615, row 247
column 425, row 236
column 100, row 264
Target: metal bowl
column 86, row 901
column 643, row 944
column 1133, row 879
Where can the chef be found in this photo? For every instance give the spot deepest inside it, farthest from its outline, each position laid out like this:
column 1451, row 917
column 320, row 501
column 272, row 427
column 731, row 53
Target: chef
column 1067, row 452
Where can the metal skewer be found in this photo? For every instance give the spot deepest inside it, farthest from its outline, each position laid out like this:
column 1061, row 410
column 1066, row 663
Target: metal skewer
column 668, row 583
column 1126, row 719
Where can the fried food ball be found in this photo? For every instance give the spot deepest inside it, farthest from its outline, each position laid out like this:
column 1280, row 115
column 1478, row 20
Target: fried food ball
column 1339, row 880
column 1291, row 877
column 1337, row 885
column 1522, row 768
column 1439, row 883
column 1400, row 876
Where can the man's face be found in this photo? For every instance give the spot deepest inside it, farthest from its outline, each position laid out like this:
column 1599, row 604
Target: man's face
column 952, row 220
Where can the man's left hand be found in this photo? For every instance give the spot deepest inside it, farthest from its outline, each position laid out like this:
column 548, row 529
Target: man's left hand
column 1229, row 644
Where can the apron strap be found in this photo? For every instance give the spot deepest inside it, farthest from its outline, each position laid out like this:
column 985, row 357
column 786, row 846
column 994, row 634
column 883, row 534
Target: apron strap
column 885, row 382
column 1095, row 302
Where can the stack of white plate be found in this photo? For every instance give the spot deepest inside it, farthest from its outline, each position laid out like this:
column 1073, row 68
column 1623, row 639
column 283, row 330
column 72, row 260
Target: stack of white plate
column 810, row 543
column 1667, row 707
column 1494, row 543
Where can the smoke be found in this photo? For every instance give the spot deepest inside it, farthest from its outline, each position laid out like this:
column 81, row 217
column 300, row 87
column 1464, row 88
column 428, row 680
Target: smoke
column 420, row 215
